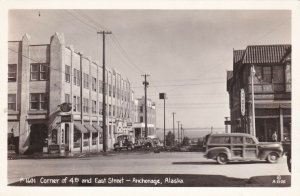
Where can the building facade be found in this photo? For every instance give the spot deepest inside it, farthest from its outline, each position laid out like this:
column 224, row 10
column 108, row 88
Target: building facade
column 269, row 67
column 139, row 126
column 43, row 77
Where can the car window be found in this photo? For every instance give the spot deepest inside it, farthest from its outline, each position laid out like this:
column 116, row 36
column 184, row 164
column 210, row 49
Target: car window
column 237, row 140
column 249, row 140
column 220, row 140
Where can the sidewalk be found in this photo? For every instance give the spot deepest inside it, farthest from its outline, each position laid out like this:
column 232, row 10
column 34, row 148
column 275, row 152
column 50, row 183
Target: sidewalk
column 15, row 156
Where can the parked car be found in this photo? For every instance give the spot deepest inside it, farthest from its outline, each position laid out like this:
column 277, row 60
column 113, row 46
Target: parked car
column 124, row 142
column 240, row 147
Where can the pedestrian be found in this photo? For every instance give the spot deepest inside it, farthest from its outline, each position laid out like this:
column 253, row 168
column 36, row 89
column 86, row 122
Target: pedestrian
column 274, row 137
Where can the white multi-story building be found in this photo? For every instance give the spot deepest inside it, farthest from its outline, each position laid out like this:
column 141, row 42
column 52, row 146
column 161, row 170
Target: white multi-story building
column 42, row 77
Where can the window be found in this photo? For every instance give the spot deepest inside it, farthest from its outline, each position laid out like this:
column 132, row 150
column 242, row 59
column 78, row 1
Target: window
column 39, row 71
column 141, row 119
column 94, row 103
column 38, row 101
column 267, row 75
column 12, row 102
column 67, row 98
column 78, row 104
column 114, row 91
column 237, row 140
column 74, row 103
column 54, row 136
column 220, row 140
column 12, row 72
column 114, row 110
column 109, row 110
column 249, row 140
column 100, row 107
column 278, row 74
column 94, row 84
column 85, row 105
column 75, row 76
column 85, row 80
column 67, row 73
column 141, row 109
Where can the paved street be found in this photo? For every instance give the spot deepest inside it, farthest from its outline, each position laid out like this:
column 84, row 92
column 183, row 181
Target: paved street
column 141, row 163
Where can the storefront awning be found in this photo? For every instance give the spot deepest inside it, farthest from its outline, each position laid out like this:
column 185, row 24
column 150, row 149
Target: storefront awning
column 13, row 127
column 90, row 128
column 97, row 127
column 80, row 127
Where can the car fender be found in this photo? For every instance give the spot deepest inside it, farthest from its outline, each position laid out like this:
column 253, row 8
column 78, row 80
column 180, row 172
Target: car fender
column 264, row 153
column 212, row 153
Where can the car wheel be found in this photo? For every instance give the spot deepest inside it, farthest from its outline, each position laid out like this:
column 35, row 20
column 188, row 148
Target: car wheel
column 222, row 159
column 129, row 148
column 272, row 157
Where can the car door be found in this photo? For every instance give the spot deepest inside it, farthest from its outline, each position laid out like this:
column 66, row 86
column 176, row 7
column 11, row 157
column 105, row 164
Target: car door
column 250, row 151
column 237, row 147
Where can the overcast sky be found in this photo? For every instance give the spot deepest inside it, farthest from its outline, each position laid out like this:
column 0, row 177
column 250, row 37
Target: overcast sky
column 186, row 52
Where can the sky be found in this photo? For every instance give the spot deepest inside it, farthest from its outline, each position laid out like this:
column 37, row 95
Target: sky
column 185, row 52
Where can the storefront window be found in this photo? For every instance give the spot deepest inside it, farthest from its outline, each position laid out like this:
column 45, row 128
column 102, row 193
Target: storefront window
column 287, row 129
column 54, row 136
column 94, row 138
column 77, row 138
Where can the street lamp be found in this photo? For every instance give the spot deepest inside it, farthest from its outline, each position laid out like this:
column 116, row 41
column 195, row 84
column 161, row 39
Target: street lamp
column 163, row 96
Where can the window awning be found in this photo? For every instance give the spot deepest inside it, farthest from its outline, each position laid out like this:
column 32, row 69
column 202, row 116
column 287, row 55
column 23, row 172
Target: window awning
column 13, row 127
column 80, row 127
column 90, row 128
column 97, row 127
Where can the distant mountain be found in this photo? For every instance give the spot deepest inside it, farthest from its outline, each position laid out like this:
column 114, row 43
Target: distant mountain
column 191, row 133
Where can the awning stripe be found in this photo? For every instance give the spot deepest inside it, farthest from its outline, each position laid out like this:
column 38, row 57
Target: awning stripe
column 80, row 127
column 90, row 128
column 97, row 127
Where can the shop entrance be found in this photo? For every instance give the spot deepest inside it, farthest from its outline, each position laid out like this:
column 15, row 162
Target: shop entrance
column 265, row 127
column 38, row 138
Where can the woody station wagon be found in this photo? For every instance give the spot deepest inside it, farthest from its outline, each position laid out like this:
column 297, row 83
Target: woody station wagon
column 240, row 147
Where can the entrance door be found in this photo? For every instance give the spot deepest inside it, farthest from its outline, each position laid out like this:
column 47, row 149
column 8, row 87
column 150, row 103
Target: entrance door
column 38, row 138
column 67, row 132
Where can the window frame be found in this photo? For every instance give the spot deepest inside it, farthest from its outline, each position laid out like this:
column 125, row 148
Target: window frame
column 42, row 104
column 14, row 102
column 15, row 73
column 40, row 72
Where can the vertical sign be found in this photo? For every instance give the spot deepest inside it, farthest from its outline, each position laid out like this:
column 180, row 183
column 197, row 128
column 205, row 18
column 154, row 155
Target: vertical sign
column 242, row 102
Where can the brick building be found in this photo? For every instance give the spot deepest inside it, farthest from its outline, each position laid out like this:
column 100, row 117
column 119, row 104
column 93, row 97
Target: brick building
column 42, row 77
column 272, row 91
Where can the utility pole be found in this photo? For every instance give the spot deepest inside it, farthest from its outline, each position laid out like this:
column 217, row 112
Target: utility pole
column 145, row 83
column 252, row 96
column 173, row 128
column 178, row 132
column 163, row 96
column 181, row 133
column 104, row 90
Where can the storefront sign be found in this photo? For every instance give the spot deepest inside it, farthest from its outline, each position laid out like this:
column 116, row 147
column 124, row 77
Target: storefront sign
column 65, row 107
column 242, row 102
column 66, row 118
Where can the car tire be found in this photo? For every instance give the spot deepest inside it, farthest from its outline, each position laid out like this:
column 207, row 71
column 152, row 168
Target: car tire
column 222, row 158
column 129, row 148
column 272, row 157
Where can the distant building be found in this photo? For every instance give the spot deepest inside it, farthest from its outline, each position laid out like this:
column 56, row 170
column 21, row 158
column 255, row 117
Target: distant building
column 139, row 126
column 272, row 91
column 41, row 78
